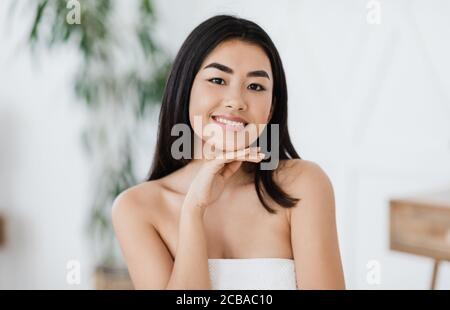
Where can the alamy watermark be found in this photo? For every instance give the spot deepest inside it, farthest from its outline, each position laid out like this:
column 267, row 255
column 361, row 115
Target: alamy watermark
column 373, row 276
column 73, row 272
column 74, row 15
column 217, row 141
column 373, row 16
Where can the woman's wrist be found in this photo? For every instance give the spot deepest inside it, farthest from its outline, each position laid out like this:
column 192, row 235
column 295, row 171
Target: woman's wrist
column 193, row 206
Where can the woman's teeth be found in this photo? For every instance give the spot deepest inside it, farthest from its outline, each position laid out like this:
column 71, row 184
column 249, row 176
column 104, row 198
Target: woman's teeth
column 228, row 122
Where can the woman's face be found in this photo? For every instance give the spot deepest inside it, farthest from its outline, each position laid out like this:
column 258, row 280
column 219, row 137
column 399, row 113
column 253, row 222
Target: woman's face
column 231, row 96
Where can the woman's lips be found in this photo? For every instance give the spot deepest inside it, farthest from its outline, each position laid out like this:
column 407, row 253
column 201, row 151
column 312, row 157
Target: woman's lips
column 229, row 117
column 228, row 124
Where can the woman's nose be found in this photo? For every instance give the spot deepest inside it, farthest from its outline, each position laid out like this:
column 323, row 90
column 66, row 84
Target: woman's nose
column 236, row 104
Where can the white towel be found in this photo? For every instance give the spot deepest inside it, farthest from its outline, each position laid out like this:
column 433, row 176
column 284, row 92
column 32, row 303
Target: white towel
column 252, row 274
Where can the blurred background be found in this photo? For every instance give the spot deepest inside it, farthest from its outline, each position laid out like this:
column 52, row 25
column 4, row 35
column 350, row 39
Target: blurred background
column 369, row 101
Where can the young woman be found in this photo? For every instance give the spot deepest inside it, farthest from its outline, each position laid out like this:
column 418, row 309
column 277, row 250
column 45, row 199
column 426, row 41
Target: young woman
column 217, row 219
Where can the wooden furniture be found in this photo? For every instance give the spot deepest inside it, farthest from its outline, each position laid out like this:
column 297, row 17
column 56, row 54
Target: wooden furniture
column 2, row 231
column 112, row 279
column 421, row 225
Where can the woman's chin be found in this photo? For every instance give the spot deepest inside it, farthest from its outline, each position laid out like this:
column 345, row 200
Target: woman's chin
column 228, row 146
column 230, row 141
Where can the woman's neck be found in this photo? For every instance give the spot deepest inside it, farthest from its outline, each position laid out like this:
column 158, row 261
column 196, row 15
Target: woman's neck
column 242, row 176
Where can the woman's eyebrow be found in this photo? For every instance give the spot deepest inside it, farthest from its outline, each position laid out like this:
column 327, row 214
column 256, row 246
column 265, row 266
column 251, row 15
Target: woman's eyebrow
column 219, row 67
column 257, row 73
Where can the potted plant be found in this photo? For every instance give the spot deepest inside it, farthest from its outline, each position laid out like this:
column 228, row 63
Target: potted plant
column 118, row 100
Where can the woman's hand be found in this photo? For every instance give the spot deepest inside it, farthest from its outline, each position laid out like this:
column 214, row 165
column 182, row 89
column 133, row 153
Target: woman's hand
column 209, row 183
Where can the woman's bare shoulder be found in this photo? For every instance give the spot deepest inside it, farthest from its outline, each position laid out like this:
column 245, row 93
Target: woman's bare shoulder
column 293, row 171
column 139, row 201
column 303, row 179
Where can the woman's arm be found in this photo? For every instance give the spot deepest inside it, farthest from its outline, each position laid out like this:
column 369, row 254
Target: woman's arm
column 190, row 270
column 149, row 262
column 313, row 230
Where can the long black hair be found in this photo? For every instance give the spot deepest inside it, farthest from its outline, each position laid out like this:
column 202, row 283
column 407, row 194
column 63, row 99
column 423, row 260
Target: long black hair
column 175, row 103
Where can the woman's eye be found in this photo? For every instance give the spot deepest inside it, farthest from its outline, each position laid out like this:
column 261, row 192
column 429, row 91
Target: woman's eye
column 217, row 81
column 256, row 87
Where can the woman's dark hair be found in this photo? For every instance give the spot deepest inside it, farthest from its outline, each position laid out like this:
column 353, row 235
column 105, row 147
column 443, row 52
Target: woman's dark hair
column 175, row 103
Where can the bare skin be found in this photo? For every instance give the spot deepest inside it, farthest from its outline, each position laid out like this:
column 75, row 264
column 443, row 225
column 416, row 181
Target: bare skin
column 147, row 217
column 169, row 228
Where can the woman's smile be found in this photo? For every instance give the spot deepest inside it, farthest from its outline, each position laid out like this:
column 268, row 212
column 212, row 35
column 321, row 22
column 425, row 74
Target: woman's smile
column 230, row 123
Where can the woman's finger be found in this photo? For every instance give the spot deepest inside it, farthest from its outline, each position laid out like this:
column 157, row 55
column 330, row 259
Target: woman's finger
column 249, row 154
column 232, row 156
column 252, row 158
column 230, row 169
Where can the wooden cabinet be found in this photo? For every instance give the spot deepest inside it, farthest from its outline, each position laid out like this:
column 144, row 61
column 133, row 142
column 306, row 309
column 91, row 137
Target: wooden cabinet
column 2, row 231
column 112, row 279
column 421, row 225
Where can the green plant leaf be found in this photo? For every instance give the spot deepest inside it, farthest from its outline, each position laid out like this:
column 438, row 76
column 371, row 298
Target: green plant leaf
column 34, row 33
column 106, row 91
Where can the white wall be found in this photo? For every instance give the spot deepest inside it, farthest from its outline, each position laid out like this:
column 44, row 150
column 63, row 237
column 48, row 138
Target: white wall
column 369, row 103
column 44, row 177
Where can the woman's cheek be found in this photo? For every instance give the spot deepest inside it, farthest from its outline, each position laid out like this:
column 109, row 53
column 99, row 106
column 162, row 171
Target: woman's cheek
column 261, row 114
column 208, row 97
